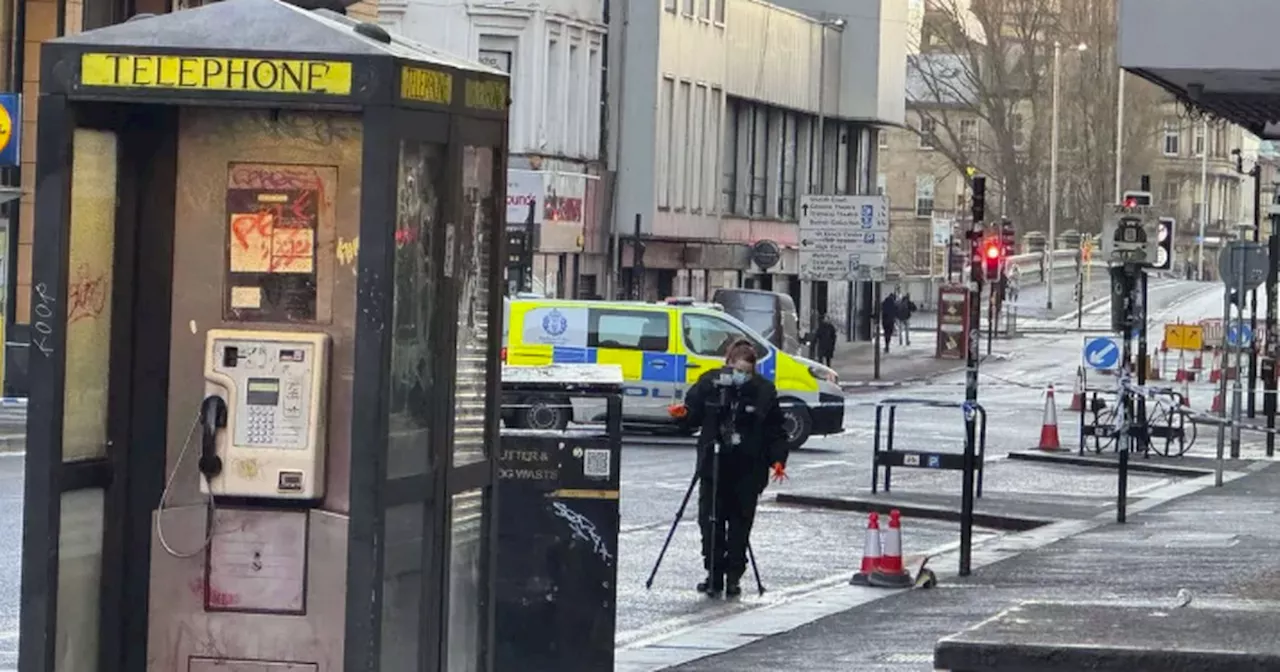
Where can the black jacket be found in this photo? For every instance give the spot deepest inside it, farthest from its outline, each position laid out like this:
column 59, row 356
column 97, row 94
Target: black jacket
column 757, row 420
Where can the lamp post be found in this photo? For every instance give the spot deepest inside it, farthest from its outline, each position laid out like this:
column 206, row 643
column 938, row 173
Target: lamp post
column 1053, row 173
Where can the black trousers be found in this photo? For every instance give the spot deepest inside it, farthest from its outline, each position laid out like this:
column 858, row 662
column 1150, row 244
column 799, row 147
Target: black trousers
column 737, row 493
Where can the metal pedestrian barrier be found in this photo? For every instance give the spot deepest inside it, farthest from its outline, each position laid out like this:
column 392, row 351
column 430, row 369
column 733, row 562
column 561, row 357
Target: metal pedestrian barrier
column 889, row 457
column 969, row 461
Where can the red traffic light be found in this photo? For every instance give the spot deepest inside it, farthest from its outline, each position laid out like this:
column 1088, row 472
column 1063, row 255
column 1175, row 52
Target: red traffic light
column 993, row 251
column 1131, row 202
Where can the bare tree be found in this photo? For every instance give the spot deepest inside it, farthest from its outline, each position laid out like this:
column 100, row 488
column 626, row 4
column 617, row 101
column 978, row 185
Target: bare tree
column 991, row 61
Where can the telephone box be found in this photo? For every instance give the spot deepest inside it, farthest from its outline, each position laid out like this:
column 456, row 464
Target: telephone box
column 266, row 307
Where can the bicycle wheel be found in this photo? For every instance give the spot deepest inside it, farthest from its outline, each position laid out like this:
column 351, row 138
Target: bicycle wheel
column 1104, row 429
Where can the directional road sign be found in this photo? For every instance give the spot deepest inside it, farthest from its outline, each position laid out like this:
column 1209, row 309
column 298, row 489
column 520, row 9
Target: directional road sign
column 1102, row 352
column 843, row 238
column 1184, row 337
column 1242, row 256
column 1239, row 334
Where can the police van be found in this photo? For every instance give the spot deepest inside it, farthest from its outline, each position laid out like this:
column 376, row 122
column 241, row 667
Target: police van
column 662, row 348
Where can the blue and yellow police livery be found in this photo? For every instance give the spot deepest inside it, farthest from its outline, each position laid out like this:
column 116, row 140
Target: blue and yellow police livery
column 662, row 348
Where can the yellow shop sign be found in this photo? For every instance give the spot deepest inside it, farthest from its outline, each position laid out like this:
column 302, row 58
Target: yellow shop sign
column 216, row 73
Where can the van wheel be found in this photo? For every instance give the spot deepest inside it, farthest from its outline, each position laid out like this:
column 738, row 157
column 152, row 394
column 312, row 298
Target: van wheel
column 796, row 422
column 545, row 413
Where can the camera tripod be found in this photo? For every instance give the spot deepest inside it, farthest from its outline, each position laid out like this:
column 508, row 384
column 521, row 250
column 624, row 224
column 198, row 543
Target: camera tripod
column 715, row 504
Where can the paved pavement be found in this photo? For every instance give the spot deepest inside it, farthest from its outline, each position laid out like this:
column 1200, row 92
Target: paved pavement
column 906, row 364
column 1217, row 543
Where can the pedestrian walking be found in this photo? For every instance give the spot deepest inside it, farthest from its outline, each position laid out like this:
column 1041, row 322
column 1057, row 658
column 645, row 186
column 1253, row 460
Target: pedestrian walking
column 888, row 318
column 743, row 415
column 826, row 338
column 906, row 308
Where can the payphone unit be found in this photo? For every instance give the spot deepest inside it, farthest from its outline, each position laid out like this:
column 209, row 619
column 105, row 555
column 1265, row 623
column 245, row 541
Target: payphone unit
column 263, row 418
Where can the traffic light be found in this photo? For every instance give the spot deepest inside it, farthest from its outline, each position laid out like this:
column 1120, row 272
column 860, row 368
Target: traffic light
column 979, row 203
column 1008, row 236
column 992, row 254
column 1164, row 245
column 1135, row 198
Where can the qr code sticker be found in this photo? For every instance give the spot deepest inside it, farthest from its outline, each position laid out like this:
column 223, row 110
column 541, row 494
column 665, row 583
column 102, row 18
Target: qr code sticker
column 596, row 463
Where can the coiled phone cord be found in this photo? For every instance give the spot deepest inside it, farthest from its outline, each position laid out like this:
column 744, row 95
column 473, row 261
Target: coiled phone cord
column 212, row 508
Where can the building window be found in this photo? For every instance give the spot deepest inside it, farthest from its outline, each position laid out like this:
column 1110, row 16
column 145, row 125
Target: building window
column 719, row 5
column 697, row 147
column 928, row 132
column 591, row 146
column 924, row 195
column 1200, row 139
column 666, row 148
column 729, row 158
column 1170, row 138
column 1019, row 129
column 882, row 138
column 573, row 133
column 711, row 138
column 553, row 116
column 688, row 7
column 758, row 135
column 969, row 134
column 882, row 184
column 669, row 5
column 681, row 126
column 1171, row 189
column 704, row 10
column 787, row 170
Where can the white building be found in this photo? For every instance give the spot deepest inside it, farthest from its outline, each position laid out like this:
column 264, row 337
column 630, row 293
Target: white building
column 554, row 51
column 724, row 112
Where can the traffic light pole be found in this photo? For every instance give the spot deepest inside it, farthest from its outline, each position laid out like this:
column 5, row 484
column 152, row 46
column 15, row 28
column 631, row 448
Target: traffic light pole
column 1253, row 295
column 1272, row 338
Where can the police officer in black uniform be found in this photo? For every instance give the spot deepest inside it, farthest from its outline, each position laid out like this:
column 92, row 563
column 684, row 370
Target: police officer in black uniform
column 738, row 408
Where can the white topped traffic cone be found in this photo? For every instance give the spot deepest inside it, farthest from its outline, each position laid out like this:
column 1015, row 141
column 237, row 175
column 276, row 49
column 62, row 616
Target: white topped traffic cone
column 891, row 573
column 870, row 552
column 1183, row 374
column 1077, row 391
column 1049, row 428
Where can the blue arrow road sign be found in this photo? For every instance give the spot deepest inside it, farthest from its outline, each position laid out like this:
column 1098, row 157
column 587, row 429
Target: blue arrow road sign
column 1239, row 334
column 1102, row 352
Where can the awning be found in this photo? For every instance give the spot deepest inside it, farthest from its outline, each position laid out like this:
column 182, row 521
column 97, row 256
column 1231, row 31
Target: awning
column 1219, row 56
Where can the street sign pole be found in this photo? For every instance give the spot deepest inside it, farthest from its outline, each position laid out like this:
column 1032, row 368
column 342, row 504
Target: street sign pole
column 1236, row 390
column 1222, row 385
column 879, row 320
column 1273, row 336
column 1141, row 290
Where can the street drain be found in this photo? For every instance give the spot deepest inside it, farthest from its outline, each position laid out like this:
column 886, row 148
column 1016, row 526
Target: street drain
column 905, row 658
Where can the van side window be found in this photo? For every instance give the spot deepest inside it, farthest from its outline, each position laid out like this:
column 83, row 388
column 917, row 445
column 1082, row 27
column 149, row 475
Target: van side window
column 629, row 330
column 708, row 336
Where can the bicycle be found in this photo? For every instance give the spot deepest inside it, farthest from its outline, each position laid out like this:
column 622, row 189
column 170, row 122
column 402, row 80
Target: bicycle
column 1165, row 420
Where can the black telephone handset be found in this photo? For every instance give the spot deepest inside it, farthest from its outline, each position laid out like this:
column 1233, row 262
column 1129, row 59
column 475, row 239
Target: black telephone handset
column 213, row 416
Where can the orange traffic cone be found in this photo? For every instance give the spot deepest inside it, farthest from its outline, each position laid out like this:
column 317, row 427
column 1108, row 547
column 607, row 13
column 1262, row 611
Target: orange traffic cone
column 1216, row 407
column 870, row 551
column 1077, row 392
column 1215, row 374
column 1197, row 363
column 1049, row 428
column 1153, row 369
column 891, row 573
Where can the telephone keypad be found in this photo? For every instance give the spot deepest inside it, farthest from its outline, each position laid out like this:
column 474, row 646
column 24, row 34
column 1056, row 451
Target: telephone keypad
column 262, row 425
